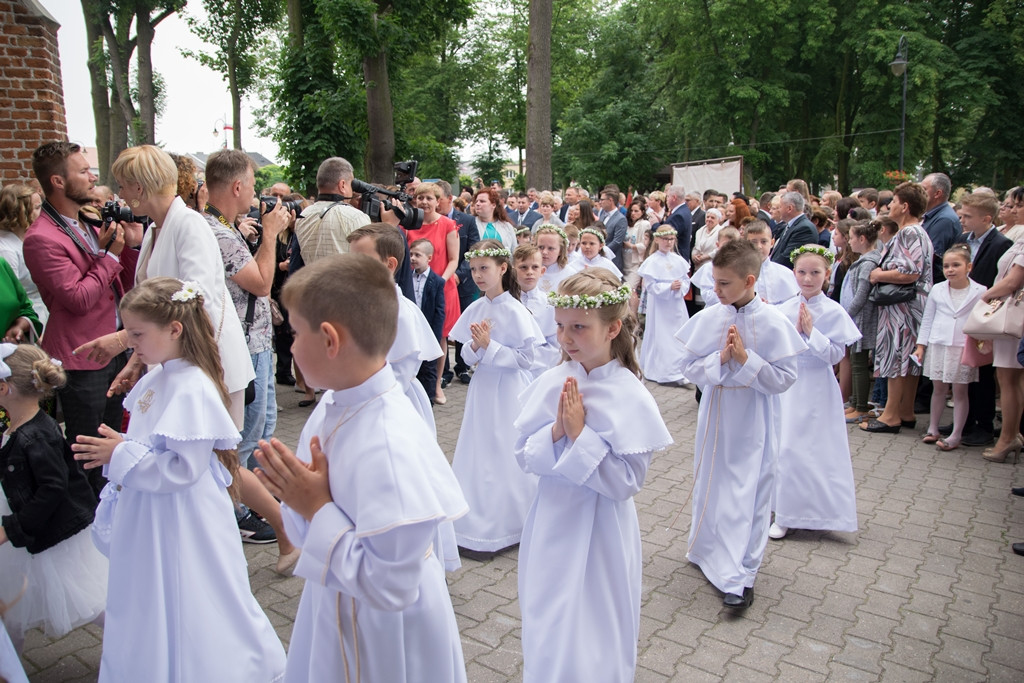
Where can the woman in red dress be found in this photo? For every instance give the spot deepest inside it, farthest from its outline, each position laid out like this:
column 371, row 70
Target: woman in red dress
column 443, row 234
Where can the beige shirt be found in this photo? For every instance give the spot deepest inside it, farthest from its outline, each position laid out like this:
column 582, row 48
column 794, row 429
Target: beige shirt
column 323, row 229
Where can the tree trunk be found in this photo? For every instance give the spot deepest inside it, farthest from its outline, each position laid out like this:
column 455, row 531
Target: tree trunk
column 100, row 100
column 118, row 129
column 295, row 24
column 538, row 96
column 147, row 103
column 380, row 143
column 119, row 52
column 232, row 58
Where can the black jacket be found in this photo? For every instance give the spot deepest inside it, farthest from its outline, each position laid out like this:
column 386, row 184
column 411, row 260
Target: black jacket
column 986, row 262
column 50, row 498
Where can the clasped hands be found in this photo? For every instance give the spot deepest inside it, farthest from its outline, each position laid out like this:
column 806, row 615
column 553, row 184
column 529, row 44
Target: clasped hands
column 571, row 413
column 733, row 348
column 304, row 487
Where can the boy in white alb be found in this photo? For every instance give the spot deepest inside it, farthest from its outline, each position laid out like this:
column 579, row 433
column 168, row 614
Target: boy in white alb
column 529, row 269
column 743, row 354
column 775, row 284
column 366, row 495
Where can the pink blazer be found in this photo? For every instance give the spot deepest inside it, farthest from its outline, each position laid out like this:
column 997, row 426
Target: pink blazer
column 76, row 288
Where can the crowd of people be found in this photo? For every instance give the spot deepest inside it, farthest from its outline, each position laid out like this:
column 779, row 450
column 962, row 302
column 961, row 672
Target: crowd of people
column 142, row 356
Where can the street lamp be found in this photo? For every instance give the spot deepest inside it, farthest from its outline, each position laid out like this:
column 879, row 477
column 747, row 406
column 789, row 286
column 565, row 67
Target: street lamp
column 225, row 127
column 899, row 68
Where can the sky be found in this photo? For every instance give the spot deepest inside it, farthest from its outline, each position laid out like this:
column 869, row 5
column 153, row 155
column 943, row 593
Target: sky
column 197, row 97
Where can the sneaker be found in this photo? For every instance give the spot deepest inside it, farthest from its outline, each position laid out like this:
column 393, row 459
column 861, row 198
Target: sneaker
column 464, row 377
column 255, row 530
column 776, row 532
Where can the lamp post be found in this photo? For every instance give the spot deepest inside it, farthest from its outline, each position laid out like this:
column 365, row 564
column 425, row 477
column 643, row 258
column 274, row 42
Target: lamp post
column 225, row 127
column 899, row 68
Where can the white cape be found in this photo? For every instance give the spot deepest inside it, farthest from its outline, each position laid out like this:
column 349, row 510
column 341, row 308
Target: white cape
column 548, row 354
column 580, row 562
column 414, row 343
column 661, row 354
column 814, row 488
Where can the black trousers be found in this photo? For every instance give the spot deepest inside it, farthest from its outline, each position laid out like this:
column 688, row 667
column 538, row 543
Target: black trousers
column 427, row 376
column 981, row 396
column 283, row 339
column 85, row 406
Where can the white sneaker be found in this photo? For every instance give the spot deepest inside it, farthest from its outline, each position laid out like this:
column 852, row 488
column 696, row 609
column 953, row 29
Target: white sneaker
column 776, row 532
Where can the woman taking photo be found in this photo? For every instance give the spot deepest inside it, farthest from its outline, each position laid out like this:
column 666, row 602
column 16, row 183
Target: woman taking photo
column 491, row 219
column 906, row 260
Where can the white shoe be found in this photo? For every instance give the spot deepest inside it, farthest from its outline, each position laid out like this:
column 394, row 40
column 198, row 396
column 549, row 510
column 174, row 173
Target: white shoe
column 776, row 532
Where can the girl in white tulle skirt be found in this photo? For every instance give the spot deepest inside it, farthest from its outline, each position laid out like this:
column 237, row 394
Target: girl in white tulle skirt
column 46, row 509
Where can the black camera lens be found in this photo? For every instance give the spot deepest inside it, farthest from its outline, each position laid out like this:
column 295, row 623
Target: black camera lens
column 270, row 202
column 112, row 211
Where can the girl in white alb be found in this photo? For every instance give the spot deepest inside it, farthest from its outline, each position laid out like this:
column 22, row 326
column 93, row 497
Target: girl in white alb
column 588, row 428
column 553, row 244
column 500, row 337
column 529, row 270
column 940, row 343
column 179, row 606
column 591, row 248
column 814, row 486
column 666, row 282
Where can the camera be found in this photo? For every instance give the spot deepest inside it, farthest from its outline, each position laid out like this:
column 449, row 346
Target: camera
column 409, row 217
column 270, row 202
column 113, row 211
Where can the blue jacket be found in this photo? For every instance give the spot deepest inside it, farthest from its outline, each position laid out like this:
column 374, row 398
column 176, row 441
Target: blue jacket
column 432, row 303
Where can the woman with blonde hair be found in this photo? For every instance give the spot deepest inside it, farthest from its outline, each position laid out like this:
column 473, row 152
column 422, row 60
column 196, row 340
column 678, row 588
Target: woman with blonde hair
column 19, row 208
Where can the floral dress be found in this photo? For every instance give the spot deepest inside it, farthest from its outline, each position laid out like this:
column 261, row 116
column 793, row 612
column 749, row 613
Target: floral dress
column 910, row 251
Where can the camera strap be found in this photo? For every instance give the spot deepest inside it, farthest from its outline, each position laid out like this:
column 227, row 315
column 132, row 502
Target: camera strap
column 250, row 308
column 64, row 227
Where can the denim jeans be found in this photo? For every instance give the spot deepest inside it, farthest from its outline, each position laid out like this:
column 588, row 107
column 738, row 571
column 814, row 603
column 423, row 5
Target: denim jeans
column 261, row 414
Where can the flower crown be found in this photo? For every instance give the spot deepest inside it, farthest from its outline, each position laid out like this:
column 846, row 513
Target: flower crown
column 190, row 289
column 557, row 230
column 610, row 298
column 813, row 249
column 591, row 231
column 525, row 229
column 482, row 253
column 665, row 232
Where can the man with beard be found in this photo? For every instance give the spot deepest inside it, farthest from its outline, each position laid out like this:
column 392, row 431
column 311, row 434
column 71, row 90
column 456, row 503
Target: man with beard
column 82, row 271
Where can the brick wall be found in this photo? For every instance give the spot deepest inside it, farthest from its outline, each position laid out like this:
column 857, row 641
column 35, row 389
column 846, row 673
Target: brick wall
column 31, row 92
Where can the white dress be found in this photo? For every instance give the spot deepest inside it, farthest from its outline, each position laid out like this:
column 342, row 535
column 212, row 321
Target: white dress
column 660, row 353
column 11, row 669
column 580, row 562
column 554, row 275
column 499, row 493
column 814, row 487
column 776, row 283
column 548, row 354
column 179, row 606
column 375, row 606
column 704, row 280
column 414, row 343
column 600, row 261
column 737, row 436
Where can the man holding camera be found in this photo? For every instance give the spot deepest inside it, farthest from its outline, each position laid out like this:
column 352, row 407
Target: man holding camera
column 82, row 270
column 323, row 228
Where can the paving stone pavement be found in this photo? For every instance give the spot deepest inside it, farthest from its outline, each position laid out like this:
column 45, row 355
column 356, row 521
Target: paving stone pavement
column 927, row 590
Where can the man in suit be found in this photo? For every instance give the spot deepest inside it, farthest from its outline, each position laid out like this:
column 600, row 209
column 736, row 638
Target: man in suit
column 939, row 220
column 694, row 204
column 679, row 218
column 572, row 198
column 512, row 207
column 614, row 223
column 527, row 216
column 796, row 228
column 764, row 210
column 468, row 236
column 987, row 246
column 428, row 288
column 82, row 272
column 531, row 194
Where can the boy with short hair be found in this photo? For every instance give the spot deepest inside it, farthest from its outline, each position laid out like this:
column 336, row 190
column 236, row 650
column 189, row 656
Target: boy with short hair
column 415, row 342
column 775, row 283
column 527, row 261
column 428, row 288
column 743, row 354
column 366, row 495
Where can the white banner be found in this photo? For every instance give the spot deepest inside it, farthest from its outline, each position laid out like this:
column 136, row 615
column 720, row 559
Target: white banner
column 724, row 175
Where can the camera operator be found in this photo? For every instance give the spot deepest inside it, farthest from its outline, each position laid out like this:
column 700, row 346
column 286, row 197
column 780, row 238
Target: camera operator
column 323, row 228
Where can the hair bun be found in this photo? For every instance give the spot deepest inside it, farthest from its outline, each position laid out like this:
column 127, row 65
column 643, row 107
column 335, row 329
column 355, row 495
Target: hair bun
column 47, row 375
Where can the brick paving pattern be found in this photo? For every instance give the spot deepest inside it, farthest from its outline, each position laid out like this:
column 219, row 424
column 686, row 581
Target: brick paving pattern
column 927, row 590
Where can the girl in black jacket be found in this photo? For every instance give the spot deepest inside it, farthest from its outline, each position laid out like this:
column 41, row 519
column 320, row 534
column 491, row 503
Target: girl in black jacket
column 46, row 508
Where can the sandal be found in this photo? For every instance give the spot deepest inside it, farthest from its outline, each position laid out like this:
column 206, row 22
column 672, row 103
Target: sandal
column 930, row 438
column 947, row 445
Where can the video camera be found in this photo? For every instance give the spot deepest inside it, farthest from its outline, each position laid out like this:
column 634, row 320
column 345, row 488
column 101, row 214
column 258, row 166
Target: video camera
column 409, row 217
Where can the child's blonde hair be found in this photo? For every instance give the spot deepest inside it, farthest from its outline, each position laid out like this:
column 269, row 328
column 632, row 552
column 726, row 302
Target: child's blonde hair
column 523, row 252
column 33, row 372
column 594, row 281
column 563, row 244
column 153, row 301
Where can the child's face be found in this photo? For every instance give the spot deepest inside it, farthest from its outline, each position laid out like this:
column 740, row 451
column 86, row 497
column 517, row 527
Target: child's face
column 573, row 243
column 955, row 268
column 590, row 245
column 309, row 351
column 666, row 244
column 418, row 259
column 523, row 238
column 730, row 287
column 839, row 238
column 528, row 271
column 585, row 337
column 548, row 245
column 153, row 343
column 811, row 271
column 487, row 274
column 763, row 241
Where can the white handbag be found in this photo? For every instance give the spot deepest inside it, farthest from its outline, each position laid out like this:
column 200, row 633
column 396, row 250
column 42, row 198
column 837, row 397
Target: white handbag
column 997, row 319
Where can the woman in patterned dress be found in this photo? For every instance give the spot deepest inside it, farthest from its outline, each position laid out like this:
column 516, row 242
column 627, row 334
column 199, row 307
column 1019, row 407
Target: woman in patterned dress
column 906, row 259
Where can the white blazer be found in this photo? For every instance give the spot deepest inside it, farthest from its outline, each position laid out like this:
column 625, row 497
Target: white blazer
column 187, row 250
column 942, row 323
